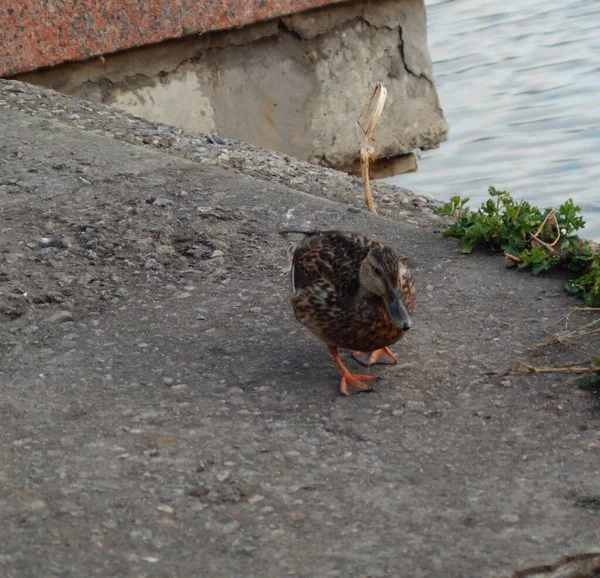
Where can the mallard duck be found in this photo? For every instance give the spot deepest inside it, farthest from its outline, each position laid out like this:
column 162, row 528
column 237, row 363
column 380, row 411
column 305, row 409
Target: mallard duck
column 352, row 292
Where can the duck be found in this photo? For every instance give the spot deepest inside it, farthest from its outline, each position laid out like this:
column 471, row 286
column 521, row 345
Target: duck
column 351, row 292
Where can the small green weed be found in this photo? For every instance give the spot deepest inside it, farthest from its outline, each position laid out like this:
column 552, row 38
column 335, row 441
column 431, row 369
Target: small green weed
column 590, row 382
column 539, row 240
column 533, row 238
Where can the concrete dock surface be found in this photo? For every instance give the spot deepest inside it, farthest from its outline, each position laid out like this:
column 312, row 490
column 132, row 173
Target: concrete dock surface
column 163, row 414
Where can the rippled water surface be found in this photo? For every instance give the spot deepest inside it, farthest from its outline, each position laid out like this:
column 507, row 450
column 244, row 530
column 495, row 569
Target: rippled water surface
column 519, row 82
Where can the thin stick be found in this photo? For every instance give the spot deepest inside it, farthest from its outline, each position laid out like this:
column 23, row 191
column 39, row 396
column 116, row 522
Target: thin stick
column 564, row 318
column 574, row 334
column 540, row 370
column 586, row 326
column 545, row 220
column 555, row 339
column 551, row 568
column 519, row 208
column 372, row 117
column 565, row 369
column 566, row 336
column 567, row 381
column 543, row 244
column 513, row 258
column 557, row 231
column 584, row 333
column 365, row 157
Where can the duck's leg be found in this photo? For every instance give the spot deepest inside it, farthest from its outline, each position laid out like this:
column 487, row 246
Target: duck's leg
column 383, row 356
column 353, row 379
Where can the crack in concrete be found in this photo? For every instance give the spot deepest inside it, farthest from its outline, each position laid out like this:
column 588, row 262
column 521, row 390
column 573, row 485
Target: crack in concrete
column 282, row 26
column 404, row 63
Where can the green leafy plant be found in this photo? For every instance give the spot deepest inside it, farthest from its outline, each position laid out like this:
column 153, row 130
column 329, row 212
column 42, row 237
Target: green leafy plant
column 590, row 382
column 533, row 238
column 538, row 260
column 588, row 285
column 539, row 240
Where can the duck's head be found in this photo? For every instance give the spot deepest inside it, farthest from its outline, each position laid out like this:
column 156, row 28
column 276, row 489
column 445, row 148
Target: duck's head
column 383, row 274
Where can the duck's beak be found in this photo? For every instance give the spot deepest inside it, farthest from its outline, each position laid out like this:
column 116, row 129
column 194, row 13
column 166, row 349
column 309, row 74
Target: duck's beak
column 398, row 310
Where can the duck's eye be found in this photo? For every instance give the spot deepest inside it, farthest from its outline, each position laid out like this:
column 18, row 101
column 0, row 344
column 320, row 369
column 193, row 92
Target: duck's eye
column 378, row 271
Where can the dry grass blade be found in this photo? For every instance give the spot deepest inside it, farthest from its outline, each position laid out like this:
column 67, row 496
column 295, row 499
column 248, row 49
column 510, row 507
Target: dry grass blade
column 558, row 233
column 569, row 368
column 549, row 216
column 564, row 336
column 580, row 565
column 587, row 329
column 513, row 258
column 371, row 117
column 533, row 240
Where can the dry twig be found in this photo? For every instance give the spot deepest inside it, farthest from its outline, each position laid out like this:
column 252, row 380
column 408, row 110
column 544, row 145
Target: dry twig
column 513, row 258
column 372, row 115
column 534, row 239
column 548, row 217
column 587, row 329
column 582, row 565
column 577, row 369
column 569, row 368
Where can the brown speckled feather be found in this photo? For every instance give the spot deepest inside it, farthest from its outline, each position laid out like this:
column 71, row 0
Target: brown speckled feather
column 327, row 296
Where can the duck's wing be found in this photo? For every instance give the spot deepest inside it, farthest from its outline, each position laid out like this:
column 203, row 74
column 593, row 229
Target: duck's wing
column 310, row 266
column 334, row 256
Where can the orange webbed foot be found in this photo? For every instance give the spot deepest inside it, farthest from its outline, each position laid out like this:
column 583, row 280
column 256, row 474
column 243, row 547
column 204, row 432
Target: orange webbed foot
column 383, row 356
column 354, row 380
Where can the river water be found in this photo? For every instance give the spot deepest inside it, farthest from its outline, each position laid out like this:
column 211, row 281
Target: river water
column 519, row 82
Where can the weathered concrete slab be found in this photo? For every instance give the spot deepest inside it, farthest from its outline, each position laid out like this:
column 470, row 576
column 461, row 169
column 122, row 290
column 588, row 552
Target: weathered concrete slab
column 163, row 413
column 293, row 84
column 230, row 154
